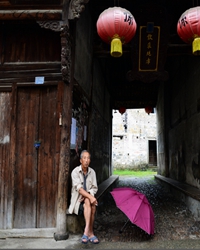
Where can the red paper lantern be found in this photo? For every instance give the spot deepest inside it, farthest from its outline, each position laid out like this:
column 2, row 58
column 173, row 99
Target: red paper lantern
column 148, row 109
column 116, row 26
column 122, row 110
column 188, row 28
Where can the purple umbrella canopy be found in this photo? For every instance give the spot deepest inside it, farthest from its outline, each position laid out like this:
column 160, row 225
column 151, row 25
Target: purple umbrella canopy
column 135, row 206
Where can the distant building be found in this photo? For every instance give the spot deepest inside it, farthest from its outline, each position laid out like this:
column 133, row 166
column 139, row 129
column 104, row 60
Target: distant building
column 134, row 139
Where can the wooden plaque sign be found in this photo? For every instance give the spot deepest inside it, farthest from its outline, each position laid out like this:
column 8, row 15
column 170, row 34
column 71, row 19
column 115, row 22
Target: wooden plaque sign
column 149, row 47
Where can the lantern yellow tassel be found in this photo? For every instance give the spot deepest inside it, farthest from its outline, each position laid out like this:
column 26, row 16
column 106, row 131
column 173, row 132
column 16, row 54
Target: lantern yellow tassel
column 116, row 47
column 196, row 46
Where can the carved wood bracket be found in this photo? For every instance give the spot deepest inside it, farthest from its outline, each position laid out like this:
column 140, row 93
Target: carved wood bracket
column 76, row 7
column 59, row 26
column 66, row 53
column 53, row 25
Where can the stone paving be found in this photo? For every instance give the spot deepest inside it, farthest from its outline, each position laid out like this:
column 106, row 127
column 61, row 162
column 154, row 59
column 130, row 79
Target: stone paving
column 173, row 220
column 175, row 227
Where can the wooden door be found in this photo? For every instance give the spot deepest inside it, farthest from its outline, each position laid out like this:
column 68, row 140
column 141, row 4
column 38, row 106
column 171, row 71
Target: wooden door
column 152, row 153
column 36, row 169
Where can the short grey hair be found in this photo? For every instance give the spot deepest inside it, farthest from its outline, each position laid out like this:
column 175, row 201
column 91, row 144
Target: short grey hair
column 84, row 151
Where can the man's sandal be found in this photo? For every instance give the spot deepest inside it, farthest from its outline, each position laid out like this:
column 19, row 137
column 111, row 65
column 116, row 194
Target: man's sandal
column 94, row 240
column 84, row 239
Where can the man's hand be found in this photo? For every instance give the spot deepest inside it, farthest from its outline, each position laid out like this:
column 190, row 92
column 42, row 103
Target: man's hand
column 85, row 194
column 93, row 200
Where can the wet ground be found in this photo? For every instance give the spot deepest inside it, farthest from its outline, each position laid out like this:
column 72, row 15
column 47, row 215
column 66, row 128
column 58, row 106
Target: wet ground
column 173, row 220
column 175, row 227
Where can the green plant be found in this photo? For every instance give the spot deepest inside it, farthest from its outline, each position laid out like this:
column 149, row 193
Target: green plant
column 137, row 173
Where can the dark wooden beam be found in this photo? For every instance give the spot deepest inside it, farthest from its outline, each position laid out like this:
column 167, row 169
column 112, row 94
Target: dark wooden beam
column 25, row 78
column 26, row 72
column 67, row 62
column 179, row 49
column 31, row 14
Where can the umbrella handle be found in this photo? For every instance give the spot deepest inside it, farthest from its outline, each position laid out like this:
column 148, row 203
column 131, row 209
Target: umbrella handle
column 121, row 230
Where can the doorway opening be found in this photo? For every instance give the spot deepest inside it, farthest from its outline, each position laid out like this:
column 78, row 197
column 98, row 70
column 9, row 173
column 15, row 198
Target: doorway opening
column 134, row 141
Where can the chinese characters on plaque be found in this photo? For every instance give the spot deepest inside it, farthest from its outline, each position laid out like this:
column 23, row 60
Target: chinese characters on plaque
column 149, row 47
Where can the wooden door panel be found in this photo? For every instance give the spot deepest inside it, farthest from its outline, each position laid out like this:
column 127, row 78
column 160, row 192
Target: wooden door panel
column 26, row 158
column 47, row 167
column 5, row 166
column 36, row 170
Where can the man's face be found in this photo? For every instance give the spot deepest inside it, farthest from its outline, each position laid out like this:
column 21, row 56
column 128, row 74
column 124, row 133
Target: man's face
column 85, row 160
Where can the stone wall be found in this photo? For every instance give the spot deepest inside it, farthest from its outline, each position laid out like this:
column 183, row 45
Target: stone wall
column 132, row 132
column 92, row 90
column 183, row 127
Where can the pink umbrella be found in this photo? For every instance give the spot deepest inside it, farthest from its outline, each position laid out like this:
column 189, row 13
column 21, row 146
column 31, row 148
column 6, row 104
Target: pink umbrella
column 135, row 206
